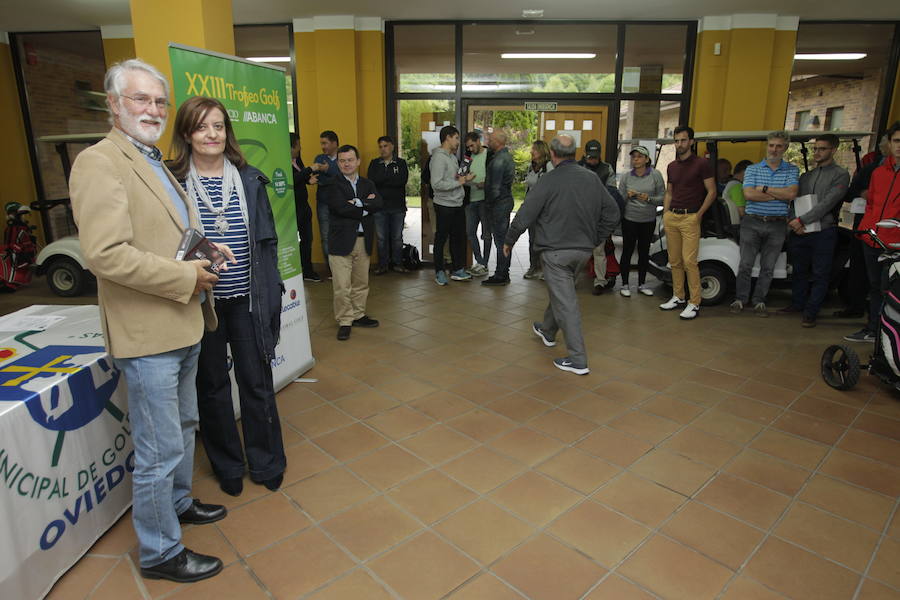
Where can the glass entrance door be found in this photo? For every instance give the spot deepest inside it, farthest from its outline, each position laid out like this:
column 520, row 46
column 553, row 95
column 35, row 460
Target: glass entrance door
column 583, row 122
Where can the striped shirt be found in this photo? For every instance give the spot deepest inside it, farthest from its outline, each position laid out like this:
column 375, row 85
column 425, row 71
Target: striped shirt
column 761, row 173
column 236, row 280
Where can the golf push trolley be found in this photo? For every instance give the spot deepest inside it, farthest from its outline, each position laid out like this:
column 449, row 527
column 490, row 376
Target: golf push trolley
column 840, row 363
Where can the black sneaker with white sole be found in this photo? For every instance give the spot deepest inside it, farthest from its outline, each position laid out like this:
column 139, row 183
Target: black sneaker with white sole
column 863, row 335
column 548, row 341
column 567, row 365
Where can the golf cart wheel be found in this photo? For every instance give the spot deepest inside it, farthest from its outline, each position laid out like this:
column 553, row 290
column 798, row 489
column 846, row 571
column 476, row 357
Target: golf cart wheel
column 715, row 281
column 66, row 278
column 840, row 367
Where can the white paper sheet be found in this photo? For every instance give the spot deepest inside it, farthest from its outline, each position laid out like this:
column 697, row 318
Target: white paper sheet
column 17, row 322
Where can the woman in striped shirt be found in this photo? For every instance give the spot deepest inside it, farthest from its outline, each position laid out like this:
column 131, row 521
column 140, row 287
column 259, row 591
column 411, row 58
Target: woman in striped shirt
column 234, row 209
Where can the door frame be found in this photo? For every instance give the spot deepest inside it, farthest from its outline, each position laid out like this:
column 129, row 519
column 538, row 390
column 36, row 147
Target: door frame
column 610, row 144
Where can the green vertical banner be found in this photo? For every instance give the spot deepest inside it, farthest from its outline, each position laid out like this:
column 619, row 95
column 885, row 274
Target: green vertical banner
column 255, row 97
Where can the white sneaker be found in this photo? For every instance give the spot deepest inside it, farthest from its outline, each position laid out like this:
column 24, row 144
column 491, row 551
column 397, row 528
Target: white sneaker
column 645, row 290
column 625, row 291
column 736, row 306
column 672, row 303
column 548, row 341
column 478, row 270
column 690, row 312
column 567, row 365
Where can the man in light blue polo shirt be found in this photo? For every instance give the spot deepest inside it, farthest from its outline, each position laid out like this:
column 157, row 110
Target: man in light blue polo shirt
column 769, row 188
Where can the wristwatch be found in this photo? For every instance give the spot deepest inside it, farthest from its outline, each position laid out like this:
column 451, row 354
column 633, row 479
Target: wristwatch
column 765, row 189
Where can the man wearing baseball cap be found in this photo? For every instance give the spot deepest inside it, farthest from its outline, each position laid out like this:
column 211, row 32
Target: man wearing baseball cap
column 592, row 162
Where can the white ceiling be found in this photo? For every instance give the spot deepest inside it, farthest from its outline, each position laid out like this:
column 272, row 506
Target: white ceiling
column 54, row 15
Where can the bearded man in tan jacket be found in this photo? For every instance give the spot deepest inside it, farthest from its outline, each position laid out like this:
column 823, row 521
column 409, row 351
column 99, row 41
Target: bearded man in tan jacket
column 131, row 214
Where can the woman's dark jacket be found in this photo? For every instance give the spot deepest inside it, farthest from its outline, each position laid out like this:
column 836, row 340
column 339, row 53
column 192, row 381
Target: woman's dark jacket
column 266, row 286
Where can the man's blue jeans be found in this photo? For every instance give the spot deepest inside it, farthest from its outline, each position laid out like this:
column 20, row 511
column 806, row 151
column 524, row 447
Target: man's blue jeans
column 763, row 238
column 475, row 214
column 389, row 226
column 811, row 256
column 162, row 408
column 499, row 213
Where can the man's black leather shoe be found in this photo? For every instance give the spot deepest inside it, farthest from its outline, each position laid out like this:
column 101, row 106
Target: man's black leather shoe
column 200, row 514
column 184, row 567
column 365, row 321
column 343, row 332
column 494, row 280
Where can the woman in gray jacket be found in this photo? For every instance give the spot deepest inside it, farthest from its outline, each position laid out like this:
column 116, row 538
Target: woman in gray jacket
column 643, row 190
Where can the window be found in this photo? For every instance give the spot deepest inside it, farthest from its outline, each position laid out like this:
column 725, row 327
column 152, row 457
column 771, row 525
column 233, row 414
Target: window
column 852, row 88
column 654, row 59
column 419, row 122
column 63, row 80
column 485, row 69
column 269, row 40
column 834, row 118
column 803, row 120
column 424, row 57
column 644, row 121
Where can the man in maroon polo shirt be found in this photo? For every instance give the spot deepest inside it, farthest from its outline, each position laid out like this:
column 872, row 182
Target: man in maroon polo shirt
column 690, row 191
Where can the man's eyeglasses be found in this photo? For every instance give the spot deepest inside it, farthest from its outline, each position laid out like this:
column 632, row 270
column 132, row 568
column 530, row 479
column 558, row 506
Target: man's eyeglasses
column 145, row 101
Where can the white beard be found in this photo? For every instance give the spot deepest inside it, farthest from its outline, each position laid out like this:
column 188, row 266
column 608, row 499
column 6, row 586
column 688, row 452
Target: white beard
column 131, row 124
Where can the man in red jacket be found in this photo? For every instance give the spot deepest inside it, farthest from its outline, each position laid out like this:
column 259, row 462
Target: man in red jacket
column 883, row 202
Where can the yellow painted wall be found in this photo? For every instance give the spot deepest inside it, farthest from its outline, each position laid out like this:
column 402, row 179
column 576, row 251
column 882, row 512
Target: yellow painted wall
column 707, row 95
column 370, row 92
column 117, row 50
column 894, row 114
column 336, row 82
column 15, row 168
column 203, row 24
column 307, row 97
column 743, row 88
column 340, row 86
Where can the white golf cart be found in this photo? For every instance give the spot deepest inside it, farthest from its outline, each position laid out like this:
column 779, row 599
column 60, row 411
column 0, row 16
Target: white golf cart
column 719, row 253
column 61, row 260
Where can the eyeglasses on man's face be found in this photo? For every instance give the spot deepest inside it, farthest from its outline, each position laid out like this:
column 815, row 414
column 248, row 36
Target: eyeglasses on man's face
column 143, row 101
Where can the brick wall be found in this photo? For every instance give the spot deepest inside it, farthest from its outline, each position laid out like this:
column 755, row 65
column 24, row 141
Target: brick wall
column 56, row 107
column 859, row 97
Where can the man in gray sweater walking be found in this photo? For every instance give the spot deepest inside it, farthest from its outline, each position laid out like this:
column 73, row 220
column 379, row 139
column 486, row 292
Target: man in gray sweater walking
column 571, row 213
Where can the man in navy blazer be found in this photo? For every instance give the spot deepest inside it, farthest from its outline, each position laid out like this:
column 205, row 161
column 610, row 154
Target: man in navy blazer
column 351, row 232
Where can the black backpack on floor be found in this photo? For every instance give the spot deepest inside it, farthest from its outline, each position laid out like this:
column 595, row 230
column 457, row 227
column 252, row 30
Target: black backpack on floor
column 410, row 257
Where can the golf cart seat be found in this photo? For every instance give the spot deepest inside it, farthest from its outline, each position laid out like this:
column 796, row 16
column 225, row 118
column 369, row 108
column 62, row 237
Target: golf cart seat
column 717, row 221
column 734, row 217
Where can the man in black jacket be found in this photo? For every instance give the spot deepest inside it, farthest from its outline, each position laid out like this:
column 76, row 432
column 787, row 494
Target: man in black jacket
column 351, row 201
column 389, row 173
column 303, row 176
column 498, row 198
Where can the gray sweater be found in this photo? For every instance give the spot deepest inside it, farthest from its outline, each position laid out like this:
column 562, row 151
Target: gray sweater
column 829, row 184
column 652, row 184
column 448, row 191
column 569, row 209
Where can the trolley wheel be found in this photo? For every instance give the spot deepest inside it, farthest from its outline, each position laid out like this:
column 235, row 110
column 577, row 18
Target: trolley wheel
column 840, row 367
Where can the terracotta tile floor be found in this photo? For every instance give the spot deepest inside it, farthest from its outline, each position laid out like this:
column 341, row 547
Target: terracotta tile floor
column 443, row 456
